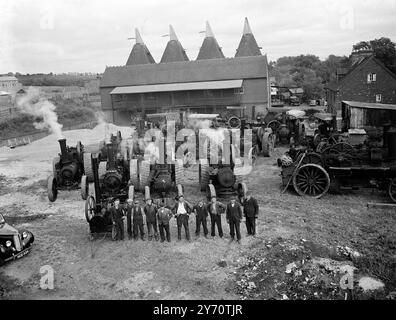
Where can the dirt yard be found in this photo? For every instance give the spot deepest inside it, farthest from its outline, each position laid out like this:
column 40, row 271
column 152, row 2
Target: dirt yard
column 202, row 269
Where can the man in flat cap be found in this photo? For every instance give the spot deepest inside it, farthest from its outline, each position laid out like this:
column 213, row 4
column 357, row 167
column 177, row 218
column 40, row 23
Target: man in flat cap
column 163, row 216
column 201, row 213
column 234, row 218
column 182, row 211
column 138, row 221
column 117, row 218
column 129, row 210
column 216, row 208
column 150, row 210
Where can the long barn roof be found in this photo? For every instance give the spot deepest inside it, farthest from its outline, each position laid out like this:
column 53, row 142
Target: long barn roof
column 186, row 71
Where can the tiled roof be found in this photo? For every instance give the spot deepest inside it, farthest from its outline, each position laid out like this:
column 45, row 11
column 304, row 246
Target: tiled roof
column 186, row 71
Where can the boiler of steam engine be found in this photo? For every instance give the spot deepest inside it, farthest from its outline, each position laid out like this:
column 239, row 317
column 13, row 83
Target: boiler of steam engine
column 112, row 181
column 68, row 173
column 225, row 177
column 163, row 181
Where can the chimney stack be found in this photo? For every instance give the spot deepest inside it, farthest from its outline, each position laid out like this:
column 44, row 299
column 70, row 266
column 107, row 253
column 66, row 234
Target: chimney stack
column 62, row 143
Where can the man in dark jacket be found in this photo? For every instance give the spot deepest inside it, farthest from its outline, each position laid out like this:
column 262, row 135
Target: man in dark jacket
column 251, row 212
column 234, row 218
column 151, row 219
column 216, row 208
column 138, row 221
column 182, row 211
column 129, row 210
column 201, row 212
column 117, row 218
column 163, row 217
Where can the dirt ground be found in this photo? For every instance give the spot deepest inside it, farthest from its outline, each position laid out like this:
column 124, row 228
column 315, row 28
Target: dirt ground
column 203, row 269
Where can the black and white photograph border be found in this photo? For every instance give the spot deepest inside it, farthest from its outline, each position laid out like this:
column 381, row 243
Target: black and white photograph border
column 198, row 150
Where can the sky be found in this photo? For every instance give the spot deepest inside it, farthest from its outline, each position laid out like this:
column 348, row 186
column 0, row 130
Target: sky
column 42, row 36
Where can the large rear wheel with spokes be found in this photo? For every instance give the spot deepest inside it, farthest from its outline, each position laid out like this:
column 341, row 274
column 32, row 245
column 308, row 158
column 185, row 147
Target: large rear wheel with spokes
column 311, row 180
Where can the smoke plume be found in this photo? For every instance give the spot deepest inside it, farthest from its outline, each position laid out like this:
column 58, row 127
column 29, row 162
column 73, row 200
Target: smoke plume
column 42, row 109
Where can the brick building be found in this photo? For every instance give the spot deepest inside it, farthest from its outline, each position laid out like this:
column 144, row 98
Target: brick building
column 368, row 80
column 210, row 84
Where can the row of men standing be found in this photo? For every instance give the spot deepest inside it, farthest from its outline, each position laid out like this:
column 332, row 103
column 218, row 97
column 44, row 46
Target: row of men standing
column 157, row 218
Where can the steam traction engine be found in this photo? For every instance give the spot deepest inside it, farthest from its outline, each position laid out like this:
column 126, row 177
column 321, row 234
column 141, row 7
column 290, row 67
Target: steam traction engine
column 153, row 177
column 341, row 165
column 68, row 171
column 110, row 183
column 114, row 173
column 221, row 179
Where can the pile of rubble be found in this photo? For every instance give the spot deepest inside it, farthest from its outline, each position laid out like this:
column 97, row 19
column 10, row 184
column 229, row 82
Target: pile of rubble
column 285, row 269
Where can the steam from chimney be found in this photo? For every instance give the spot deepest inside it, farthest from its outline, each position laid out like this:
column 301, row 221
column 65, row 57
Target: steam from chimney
column 41, row 108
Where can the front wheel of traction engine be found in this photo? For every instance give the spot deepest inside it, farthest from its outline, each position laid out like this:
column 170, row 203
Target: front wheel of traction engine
column 210, row 191
column 52, row 189
column 87, row 159
column 90, row 208
column 84, row 187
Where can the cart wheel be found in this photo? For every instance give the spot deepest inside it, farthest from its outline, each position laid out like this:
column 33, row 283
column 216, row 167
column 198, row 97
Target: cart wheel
column 87, row 159
column 312, row 158
column 392, row 189
column 52, row 189
column 84, row 187
column 90, row 208
column 55, row 161
column 147, row 193
column 311, row 180
column 210, row 191
column 131, row 192
column 203, row 176
column 180, row 190
column 144, row 173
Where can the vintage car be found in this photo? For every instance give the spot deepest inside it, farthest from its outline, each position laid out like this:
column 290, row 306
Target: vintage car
column 14, row 244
